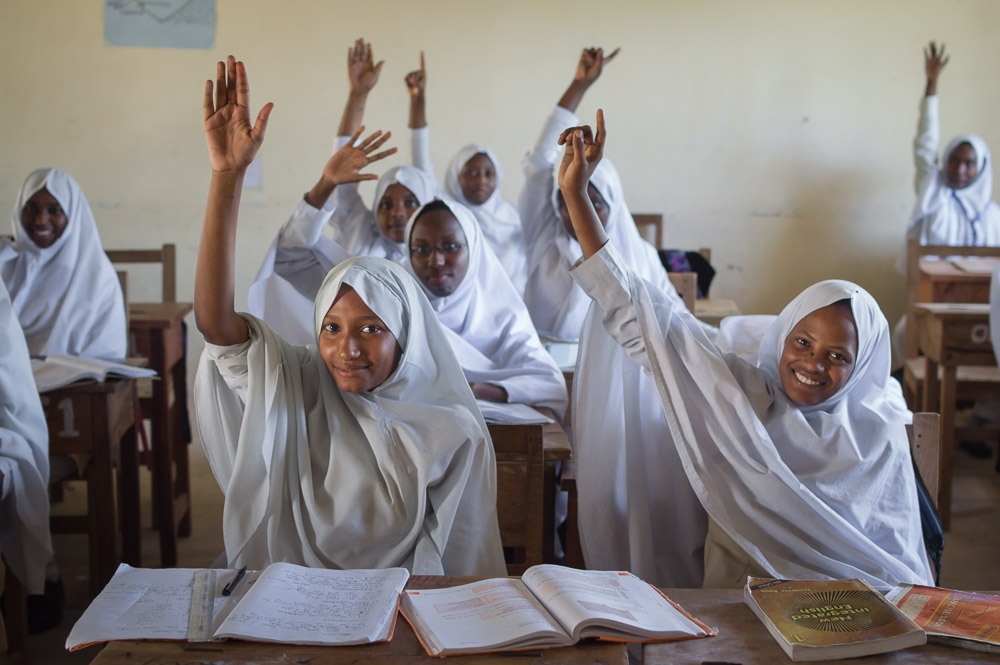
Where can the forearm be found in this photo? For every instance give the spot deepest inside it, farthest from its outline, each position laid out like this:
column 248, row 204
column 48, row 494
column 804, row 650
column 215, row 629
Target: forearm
column 215, row 313
column 931, row 88
column 320, row 193
column 418, row 111
column 589, row 231
column 574, row 93
column 354, row 113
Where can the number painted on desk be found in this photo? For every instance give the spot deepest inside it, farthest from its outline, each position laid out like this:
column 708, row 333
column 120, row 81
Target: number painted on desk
column 69, row 429
column 980, row 333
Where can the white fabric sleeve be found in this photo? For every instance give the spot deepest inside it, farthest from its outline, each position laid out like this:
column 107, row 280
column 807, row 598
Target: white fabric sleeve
column 7, row 469
column 420, row 149
column 534, row 205
column 305, row 226
column 925, row 151
column 231, row 362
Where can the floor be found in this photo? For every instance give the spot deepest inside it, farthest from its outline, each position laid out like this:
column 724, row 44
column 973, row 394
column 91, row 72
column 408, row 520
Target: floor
column 971, row 550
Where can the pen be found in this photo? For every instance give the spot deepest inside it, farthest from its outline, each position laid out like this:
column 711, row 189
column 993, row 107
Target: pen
column 229, row 588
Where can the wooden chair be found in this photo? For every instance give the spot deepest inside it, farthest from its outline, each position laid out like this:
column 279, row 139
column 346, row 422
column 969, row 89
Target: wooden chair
column 925, row 442
column 520, row 495
column 686, row 284
column 645, row 221
column 567, row 483
column 166, row 256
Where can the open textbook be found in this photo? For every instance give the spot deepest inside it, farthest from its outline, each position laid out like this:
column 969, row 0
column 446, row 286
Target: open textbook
column 549, row 606
column 511, row 413
column 957, row 618
column 57, row 371
column 282, row 603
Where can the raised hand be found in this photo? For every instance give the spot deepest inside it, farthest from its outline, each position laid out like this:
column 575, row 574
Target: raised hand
column 362, row 71
column 232, row 142
column 584, row 151
column 416, row 80
column 934, row 61
column 592, row 61
column 346, row 164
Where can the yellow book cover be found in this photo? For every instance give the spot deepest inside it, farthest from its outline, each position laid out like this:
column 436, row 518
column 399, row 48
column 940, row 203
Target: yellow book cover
column 829, row 619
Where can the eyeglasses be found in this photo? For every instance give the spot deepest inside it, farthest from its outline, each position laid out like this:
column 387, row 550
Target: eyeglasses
column 446, row 248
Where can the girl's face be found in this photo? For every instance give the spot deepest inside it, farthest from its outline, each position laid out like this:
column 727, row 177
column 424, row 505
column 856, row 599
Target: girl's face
column 43, row 219
column 439, row 252
column 818, row 356
column 961, row 167
column 359, row 351
column 394, row 210
column 478, row 179
column 600, row 207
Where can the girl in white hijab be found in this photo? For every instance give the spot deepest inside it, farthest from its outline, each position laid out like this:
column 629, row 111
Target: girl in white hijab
column 955, row 198
column 473, row 179
column 24, row 459
column 801, row 462
column 486, row 322
column 63, row 288
column 366, row 450
column 556, row 303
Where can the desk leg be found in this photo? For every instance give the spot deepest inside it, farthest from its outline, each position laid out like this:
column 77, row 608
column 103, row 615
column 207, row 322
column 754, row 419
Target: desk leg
column 128, row 496
column 101, row 507
column 932, row 388
column 948, row 395
column 182, row 479
column 549, row 513
column 162, row 441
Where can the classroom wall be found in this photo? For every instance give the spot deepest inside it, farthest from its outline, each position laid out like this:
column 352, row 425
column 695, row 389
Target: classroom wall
column 777, row 132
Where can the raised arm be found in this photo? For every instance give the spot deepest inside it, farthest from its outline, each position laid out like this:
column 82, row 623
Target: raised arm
column 362, row 75
column 928, row 138
column 416, row 82
column 232, row 145
column 584, row 151
column 346, row 164
column 588, row 70
column 934, row 61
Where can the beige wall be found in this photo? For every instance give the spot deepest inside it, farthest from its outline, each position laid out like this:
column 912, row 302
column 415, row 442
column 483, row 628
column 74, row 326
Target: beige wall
column 777, row 132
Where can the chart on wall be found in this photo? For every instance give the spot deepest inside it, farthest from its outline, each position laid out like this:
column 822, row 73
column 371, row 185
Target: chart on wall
column 160, row 23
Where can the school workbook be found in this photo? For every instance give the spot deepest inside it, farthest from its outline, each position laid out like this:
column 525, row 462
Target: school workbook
column 549, row 606
column 956, row 618
column 282, row 603
column 57, row 371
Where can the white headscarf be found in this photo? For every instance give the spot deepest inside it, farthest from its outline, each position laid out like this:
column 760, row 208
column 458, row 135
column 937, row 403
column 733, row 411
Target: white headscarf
column 67, row 296
column 403, row 475
column 489, row 327
column 498, row 219
column 551, row 271
column 367, row 239
column 825, row 491
column 945, row 215
column 24, row 459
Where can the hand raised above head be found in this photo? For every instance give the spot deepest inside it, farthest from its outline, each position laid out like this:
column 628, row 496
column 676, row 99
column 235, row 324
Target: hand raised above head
column 584, row 150
column 232, row 142
column 934, row 60
column 592, row 61
column 346, row 164
column 417, row 80
column 362, row 70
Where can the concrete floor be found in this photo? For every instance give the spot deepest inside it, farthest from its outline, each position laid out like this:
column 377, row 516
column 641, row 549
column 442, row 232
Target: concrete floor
column 970, row 559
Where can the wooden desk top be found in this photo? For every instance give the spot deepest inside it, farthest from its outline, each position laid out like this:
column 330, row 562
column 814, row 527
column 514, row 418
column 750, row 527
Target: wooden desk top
column 555, row 443
column 954, row 310
column 743, row 639
column 403, row 648
column 156, row 314
column 943, row 269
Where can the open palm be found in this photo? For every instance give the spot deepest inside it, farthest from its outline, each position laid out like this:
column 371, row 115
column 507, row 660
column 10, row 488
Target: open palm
column 232, row 142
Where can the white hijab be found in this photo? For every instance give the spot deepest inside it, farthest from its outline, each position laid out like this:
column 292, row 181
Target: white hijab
column 24, row 459
column 66, row 296
column 498, row 219
column 808, row 492
column 550, row 281
column 489, row 327
column 967, row 216
column 403, row 475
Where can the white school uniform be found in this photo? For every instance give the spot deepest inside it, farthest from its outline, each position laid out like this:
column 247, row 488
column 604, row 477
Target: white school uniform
column 403, row 475
column 490, row 329
column 301, row 255
column 498, row 219
column 943, row 215
column 807, row 492
column 24, row 459
column 66, row 296
column 556, row 303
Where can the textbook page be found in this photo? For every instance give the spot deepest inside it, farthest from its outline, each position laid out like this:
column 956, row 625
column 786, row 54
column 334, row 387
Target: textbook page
column 505, row 413
column 299, row 605
column 57, row 370
column 618, row 600
column 481, row 616
column 145, row 604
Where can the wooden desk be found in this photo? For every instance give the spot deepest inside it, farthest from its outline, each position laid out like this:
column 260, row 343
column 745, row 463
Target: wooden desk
column 950, row 335
column 943, row 281
column 403, row 648
column 98, row 420
column 743, row 639
column 713, row 310
column 156, row 328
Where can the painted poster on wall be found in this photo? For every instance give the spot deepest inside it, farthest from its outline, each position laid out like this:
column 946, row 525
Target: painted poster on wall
column 160, row 23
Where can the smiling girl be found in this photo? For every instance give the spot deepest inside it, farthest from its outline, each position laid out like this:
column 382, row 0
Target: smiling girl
column 366, row 450
column 63, row 288
column 801, row 460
